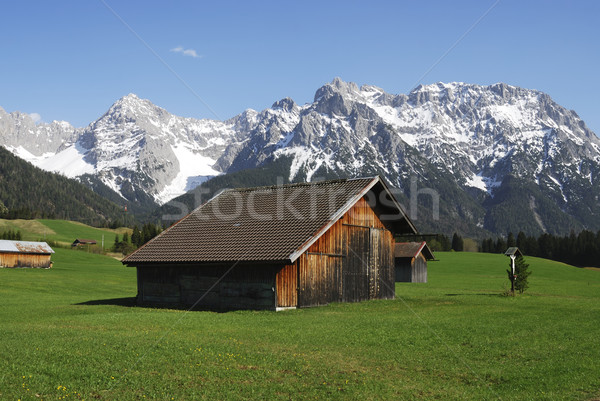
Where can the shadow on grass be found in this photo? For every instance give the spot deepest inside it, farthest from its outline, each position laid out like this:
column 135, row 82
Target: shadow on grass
column 132, row 302
column 496, row 294
column 129, row 301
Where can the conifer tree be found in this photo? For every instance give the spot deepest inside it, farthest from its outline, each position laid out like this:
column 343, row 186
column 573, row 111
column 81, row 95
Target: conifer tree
column 522, row 242
column 519, row 281
column 117, row 243
column 457, row 243
column 522, row 273
column 510, row 240
column 136, row 237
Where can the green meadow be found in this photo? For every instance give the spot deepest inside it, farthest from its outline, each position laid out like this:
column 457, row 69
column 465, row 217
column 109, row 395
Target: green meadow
column 73, row 332
column 60, row 231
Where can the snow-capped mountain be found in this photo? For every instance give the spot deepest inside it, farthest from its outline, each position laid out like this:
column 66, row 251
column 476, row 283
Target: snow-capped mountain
column 134, row 144
column 479, row 134
column 500, row 157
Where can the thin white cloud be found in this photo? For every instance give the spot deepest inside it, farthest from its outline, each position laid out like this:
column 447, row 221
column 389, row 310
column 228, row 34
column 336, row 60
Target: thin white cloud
column 186, row 52
column 35, row 117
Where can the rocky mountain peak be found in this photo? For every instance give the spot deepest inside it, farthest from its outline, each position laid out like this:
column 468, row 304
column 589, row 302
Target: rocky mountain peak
column 337, row 87
column 286, row 104
column 464, row 141
column 133, row 106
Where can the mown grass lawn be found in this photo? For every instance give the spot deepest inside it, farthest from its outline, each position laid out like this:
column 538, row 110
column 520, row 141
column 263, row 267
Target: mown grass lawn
column 71, row 332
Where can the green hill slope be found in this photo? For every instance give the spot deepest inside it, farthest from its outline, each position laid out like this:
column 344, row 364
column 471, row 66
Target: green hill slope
column 29, row 192
column 61, row 231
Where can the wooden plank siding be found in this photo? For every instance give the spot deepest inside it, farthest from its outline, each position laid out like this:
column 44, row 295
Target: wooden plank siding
column 286, row 286
column 411, row 270
column 353, row 261
column 12, row 259
column 419, row 271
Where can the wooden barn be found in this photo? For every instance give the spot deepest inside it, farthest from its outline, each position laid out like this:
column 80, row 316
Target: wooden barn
column 411, row 261
column 82, row 241
column 296, row 245
column 25, row 254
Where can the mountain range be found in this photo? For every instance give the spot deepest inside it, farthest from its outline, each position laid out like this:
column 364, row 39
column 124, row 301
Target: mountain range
column 489, row 159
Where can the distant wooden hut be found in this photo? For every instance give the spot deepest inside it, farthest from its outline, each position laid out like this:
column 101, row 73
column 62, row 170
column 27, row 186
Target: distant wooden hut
column 25, row 254
column 411, row 261
column 81, row 241
column 295, row 245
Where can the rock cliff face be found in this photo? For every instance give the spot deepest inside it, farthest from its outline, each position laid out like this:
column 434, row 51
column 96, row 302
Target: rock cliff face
column 499, row 157
column 20, row 133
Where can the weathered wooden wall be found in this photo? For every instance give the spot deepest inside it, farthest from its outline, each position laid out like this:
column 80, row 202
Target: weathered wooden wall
column 419, row 273
column 286, row 286
column 411, row 270
column 12, row 259
column 353, row 261
column 244, row 287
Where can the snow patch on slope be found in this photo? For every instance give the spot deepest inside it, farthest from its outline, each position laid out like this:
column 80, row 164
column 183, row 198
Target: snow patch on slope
column 194, row 169
column 477, row 181
column 68, row 162
column 560, row 187
column 485, row 184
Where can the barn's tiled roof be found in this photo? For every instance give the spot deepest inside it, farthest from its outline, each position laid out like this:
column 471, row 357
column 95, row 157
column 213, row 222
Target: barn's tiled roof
column 258, row 224
column 412, row 249
column 25, row 247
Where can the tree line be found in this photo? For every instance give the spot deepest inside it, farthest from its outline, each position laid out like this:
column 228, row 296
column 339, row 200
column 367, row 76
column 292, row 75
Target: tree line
column 11, row 235
column 443, row 243
column 581, row 249
column 127, row 244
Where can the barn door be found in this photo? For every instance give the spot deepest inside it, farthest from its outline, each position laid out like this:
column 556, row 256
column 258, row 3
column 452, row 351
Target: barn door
column 356, row 272
column 286, row 286
column 374, row 261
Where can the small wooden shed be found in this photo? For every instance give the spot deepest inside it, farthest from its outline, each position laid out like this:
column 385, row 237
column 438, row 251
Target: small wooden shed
column 295, row 245
column 25, row 254
column 82, row 241
column 411, row 261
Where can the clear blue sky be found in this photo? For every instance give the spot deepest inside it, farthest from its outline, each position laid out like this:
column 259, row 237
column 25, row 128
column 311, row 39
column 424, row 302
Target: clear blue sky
column 70, row 60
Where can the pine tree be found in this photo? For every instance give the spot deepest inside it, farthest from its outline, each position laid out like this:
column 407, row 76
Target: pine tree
column 484, row 246
column 146, row 235
column 510, row 240
column 521, row 274
column 522, row 243
column 500, row 245
column 125, row 237
column 457, row 243
column 136, row 237
column 117, row 244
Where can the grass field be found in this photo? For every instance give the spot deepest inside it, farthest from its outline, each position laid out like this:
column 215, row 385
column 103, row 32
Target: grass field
column 72, row 332
column 61, row 231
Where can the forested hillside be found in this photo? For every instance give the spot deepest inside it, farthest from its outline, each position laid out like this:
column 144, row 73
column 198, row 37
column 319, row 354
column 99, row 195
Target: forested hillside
column 29, row 192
